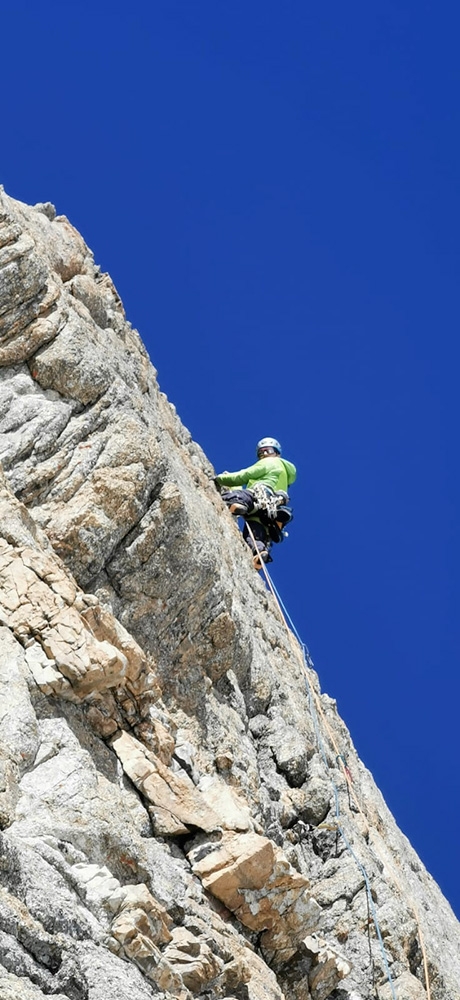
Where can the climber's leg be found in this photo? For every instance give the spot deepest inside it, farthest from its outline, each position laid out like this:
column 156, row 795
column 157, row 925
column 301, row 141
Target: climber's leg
column 239, row 502
column 261, row 543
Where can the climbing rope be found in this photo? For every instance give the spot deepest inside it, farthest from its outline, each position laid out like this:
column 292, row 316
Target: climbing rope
column 315, row 706
column 308, row 664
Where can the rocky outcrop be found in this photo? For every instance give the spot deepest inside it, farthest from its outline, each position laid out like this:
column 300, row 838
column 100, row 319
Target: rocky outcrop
column 256, row 882
column 177, row 818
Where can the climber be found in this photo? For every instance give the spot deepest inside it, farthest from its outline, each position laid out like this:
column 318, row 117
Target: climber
column 263, row 500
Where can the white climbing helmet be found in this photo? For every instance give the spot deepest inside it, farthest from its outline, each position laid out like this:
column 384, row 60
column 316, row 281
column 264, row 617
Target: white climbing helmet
column 268, row 443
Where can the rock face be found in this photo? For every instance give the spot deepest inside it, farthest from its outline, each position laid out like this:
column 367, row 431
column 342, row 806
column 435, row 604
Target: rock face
column 176, row 816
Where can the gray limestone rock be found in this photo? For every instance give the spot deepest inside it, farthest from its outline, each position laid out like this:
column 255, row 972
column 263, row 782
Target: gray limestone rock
column 169, row 822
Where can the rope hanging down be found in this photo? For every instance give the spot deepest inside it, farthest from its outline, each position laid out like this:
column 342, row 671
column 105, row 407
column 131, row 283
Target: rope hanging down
column 308, row 663
column 315, row 710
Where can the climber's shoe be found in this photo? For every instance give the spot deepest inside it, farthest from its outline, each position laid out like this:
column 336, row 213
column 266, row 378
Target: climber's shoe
column 261, row 557
column 238, row 508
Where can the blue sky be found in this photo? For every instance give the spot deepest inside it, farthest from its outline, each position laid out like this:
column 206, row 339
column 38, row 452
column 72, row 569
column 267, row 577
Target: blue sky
column 274, row 189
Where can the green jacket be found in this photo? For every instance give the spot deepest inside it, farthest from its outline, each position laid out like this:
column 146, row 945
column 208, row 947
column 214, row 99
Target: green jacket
column 275, row 472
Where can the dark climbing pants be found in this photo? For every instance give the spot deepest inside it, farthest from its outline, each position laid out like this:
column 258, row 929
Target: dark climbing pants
column 239, row 496
column 260, row 534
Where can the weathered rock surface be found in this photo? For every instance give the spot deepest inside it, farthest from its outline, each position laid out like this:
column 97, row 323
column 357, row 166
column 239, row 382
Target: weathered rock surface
column 256, row 882
column 168, row 819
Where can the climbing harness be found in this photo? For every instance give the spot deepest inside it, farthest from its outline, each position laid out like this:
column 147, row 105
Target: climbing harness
column 260, row 499
column 265, row 505
column 264, row 500
column 316, row 710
